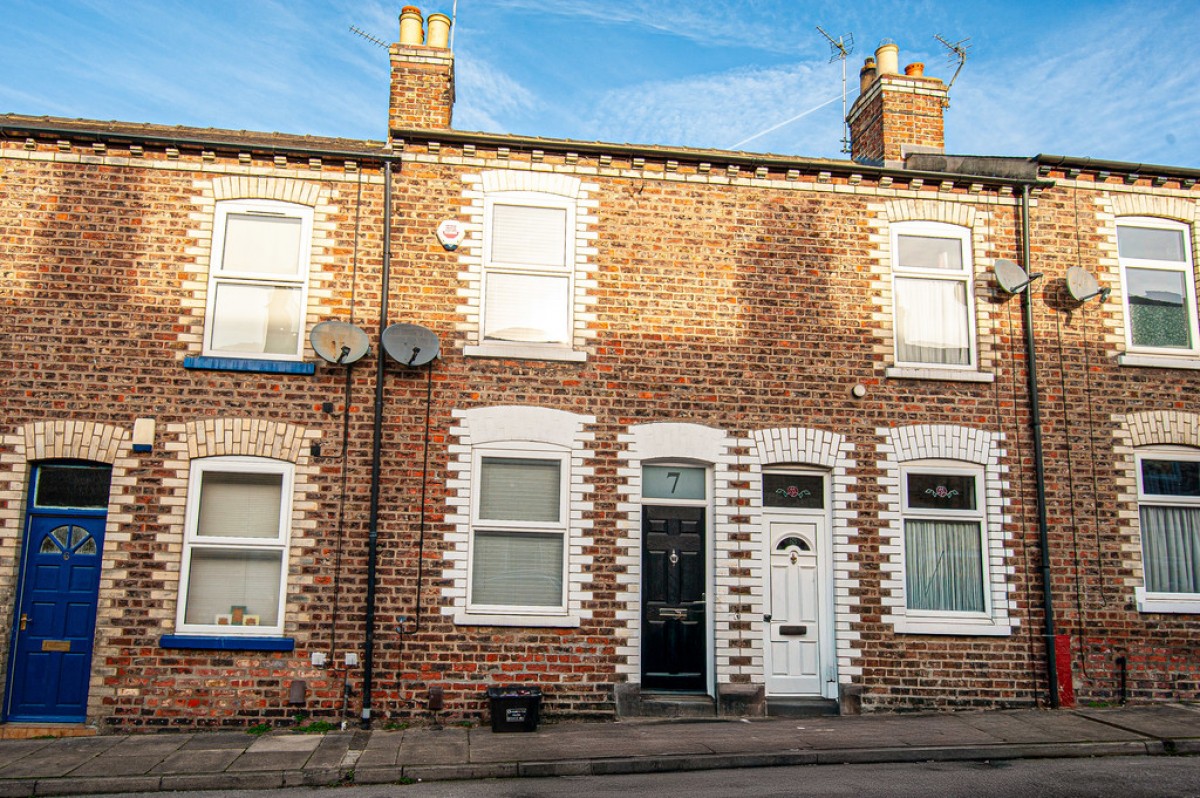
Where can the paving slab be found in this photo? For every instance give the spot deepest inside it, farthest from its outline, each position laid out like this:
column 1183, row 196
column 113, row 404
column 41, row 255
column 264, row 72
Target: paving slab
column 198, row 761
column 331, row 752
column 1164, row 722
column 383, row 750
column 431, row 747
column 110, row 765
column 59, row 758
column 13, row 750
column 148, row 745
column 219, row 740
column 285, row 742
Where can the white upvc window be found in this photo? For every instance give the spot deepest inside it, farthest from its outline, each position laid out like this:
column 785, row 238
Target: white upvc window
column 529, row 269
column 934, row 306
column 234, row 573
column 945, row 543
column 1169, row 517
column 1159, row 286
column 258, row 280
column 518, row 549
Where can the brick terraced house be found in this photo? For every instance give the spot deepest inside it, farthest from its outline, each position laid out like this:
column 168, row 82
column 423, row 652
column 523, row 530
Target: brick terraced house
column 709, row 431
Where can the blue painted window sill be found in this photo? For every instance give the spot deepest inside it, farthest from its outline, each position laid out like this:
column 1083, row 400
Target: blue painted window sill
column 249, row 364
column 227, row 642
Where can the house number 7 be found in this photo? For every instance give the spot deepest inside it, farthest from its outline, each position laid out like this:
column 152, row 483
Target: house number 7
column 674, row 477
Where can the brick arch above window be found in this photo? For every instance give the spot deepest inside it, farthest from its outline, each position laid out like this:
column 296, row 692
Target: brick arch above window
column 1163, row 427
column 519, row 180
column 76, row 440
column 250, row 437
column 908, row 210
column 800, row 445
column 282, row 189
column 1180, row 210
column 944, row 442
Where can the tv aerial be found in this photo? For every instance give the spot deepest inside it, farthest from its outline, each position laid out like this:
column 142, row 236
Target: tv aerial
column 840, row 48
column 958, row 54
column 410, row 344
column 339, row 342
column 375, row 40
column 1011, row 278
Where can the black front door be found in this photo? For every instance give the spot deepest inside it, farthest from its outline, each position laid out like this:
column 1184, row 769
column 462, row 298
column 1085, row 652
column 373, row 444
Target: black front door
column 673, row 606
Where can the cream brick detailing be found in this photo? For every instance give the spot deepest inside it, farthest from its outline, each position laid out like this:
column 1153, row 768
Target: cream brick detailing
column 211, row 190
column 943, row 442
column 1180, row 210
column 1147, row 428
column 833, row 452
column 75, row 440
column 512, row 426
column 251, row 437
column 282, row 189
column 229, row 437
column 980, row 223
column 730, row 533
column 514, row 180
column 910, row 210
column 477, row 187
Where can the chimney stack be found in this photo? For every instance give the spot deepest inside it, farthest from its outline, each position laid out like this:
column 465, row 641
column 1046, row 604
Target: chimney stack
column 422, row 73
column 896, row 114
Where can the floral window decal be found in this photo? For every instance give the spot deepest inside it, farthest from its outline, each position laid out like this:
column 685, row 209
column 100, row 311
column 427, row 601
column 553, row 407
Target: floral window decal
column 941, row 491
column 792, row 490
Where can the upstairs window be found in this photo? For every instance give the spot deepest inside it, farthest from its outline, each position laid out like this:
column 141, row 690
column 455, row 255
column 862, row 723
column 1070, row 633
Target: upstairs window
column 934, row 317
column 257, row 291
column 529, row 265
column 1160, row 291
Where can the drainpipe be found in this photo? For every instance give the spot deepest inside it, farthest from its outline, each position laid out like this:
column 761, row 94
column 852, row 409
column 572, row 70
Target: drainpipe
column 376, row 446
column 1039, row 460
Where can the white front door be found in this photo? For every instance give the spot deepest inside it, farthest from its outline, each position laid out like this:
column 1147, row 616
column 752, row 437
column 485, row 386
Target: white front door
column 793, row 608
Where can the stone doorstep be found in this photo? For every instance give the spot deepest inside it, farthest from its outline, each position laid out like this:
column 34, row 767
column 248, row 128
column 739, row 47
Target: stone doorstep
column 29, row 731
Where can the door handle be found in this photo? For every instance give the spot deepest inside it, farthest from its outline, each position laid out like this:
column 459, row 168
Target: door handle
column 674, row 558
column 767, row 618
column 24, row 621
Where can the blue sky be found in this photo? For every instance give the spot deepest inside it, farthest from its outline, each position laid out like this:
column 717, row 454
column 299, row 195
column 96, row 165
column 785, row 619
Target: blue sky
column 1107, row 79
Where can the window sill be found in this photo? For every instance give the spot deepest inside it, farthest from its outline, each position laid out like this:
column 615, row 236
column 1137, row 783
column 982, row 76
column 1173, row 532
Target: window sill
column 1159, row 361
column 948, row 375
column 547, row 621
column 249, row 364
column 227, row 643
column 1172, row 603
column 952, row 626
column 526, row 352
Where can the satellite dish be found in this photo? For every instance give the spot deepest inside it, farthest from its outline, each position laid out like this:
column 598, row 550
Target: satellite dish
column 410, row 344
column 1011, row 278
column 1082, row 286
column 339, row 342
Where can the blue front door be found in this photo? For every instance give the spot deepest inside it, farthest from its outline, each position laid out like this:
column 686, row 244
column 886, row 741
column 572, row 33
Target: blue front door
column 55, row 616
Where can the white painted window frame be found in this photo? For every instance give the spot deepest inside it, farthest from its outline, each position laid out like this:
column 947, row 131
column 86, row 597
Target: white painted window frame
column 1185, row 267
column 535, row 350
column 561, row 528
column 192, row 542
column 898, row 230
column 1174, row 603
column 945, row 621
column 217, row 277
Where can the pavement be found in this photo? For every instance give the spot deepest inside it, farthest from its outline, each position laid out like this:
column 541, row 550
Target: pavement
column 237, row 760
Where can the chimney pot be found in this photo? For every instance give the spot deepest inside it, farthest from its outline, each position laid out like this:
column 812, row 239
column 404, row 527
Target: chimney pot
column 439, row 31
column 887, row 58
column 866, row 75
column 915, row 70
column 410, row 26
